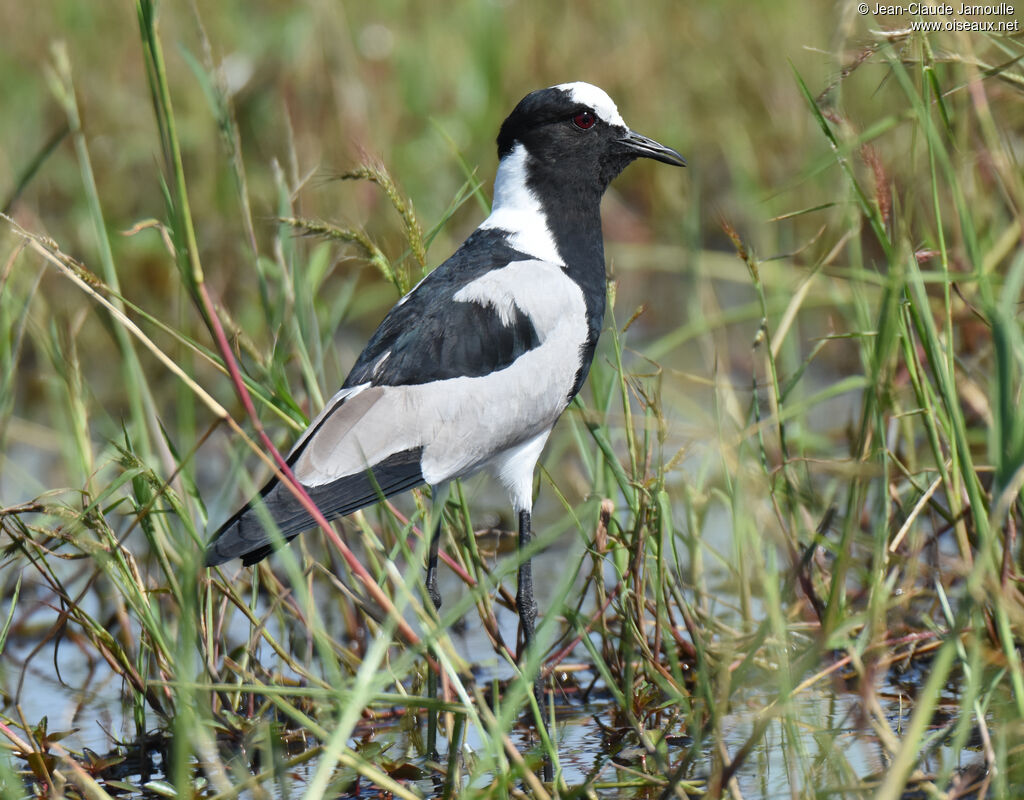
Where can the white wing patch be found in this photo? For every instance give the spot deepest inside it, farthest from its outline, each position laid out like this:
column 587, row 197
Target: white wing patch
column 464, row 424
column 517, row 210
column 539, row 289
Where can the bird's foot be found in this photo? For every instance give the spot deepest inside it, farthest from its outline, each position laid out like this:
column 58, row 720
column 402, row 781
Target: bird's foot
column 435, row 596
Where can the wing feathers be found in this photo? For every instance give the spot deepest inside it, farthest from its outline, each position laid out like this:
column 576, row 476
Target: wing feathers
column 246, row 536
column 469, row 341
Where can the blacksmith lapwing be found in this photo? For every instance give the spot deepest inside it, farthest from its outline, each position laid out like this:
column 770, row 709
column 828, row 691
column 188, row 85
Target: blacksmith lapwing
column 472, row 368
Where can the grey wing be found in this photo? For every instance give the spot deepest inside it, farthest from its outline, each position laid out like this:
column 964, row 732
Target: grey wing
column 331, row 464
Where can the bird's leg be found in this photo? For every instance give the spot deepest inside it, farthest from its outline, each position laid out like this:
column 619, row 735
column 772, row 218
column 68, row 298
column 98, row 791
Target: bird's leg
column 438, row 499
column 435, row 598
column 435, row 540
column 527, row 608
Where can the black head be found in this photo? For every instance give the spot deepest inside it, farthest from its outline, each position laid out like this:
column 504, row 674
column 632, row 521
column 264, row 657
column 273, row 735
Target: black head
column 574, row 130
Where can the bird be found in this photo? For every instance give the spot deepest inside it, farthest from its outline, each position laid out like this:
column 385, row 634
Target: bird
column 472, row 368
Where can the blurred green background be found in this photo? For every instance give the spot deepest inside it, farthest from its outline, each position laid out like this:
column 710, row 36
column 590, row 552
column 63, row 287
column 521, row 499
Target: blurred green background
column 317, row 88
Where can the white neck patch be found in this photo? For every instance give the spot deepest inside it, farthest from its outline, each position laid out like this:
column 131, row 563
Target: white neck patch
column 597, row 99
column 517, row 210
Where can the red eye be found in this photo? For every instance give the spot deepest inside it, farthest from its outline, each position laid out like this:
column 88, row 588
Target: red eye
column 584, row 120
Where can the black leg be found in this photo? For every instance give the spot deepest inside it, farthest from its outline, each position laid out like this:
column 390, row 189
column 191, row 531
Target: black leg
column 435, row 540
column 527, row 608
column 525, row 604
column 435, row 598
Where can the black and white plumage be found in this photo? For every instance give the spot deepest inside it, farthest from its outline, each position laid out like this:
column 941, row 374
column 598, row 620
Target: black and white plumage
column 472, row 368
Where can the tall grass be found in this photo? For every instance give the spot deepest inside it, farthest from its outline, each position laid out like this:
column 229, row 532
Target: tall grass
column 805, row 486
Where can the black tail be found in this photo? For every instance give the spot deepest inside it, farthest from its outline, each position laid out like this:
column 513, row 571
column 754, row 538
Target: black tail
column 246, row 534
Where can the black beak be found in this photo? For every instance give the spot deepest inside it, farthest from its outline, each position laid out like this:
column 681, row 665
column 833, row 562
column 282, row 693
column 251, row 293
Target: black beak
column 642, row 147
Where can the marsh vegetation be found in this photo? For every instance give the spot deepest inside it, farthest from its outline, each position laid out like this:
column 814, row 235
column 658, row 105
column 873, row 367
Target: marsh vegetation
column 777, row 532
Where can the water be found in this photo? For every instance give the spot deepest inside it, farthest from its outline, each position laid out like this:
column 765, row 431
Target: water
column 828, row 724
column 825, row 742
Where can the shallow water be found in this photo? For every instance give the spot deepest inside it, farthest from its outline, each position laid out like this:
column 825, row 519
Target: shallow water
column 826, row 745
column 830, row 719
